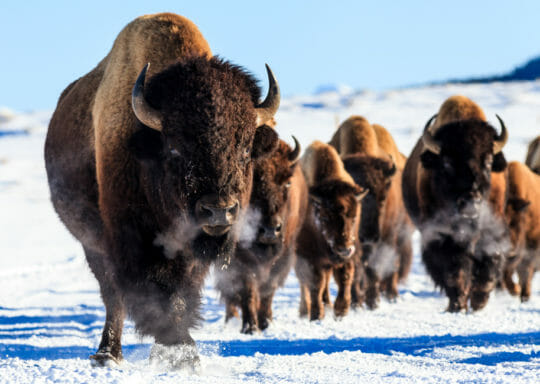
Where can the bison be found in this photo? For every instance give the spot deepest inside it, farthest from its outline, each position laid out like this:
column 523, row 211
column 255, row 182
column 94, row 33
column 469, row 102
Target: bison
column 328, row 241
column 266, row 251
column 151, row 176
column 533, row 155
column 523, row 218
column 368, row 153
column 454, row 189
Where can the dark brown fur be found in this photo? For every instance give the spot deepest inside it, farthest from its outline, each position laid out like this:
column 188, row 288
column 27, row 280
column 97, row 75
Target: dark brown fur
column 327, row 242
column 523, row 218
column 129, row 193
column 261, row 265
column 457, row 199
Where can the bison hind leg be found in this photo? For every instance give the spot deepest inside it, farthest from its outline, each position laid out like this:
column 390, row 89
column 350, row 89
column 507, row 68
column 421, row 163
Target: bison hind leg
column 110, row 348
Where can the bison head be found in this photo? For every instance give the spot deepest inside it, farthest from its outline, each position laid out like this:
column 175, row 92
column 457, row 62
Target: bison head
column 335, row 205
column 271, row 186
column 201, row 127
column 374, row 175
column 461, row 156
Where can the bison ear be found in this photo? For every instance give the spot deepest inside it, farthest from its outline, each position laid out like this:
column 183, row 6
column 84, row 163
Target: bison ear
column 146, row 144
column 429, row 160
column 265, row 142
column 499, row 163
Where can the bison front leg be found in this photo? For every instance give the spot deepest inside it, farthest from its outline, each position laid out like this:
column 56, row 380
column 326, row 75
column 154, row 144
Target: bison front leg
column 230, row 310
column 390, row 285
column 450, row 267
column 305, row 300
column 344, row 278
column 486, row 273
column 250, row 306
column 265, row 311
column 317, row 287
column 373, row 288
column 110, row 347
column 525, row 273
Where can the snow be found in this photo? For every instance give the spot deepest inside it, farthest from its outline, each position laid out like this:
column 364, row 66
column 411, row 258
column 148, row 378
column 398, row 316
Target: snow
column 51, row 315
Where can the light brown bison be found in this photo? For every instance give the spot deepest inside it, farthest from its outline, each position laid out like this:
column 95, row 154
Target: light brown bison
column 327, row 242
column 523, row 217
column 151, row 175
column 454, row 189
column 266, row 251
column 368, row 153
column 533, row 155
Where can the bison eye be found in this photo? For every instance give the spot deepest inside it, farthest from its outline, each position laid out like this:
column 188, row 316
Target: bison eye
column 174, row 152
column 288, row 185
column 447, row 165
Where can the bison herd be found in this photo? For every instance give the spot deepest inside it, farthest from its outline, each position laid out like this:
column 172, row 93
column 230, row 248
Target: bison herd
column 162, row 171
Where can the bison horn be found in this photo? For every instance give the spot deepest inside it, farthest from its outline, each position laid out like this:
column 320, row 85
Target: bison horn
column 268, row 108
column 500, row 140
column 361, row 195
column 295, row 154
column 429, row 141
column 144, row 112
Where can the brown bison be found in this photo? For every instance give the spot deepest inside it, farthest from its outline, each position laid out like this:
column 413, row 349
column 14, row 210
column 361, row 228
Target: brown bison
column 523, row 218
column 385, row 230
column 266, row 251
column 454, row 189
column 327, row 242
column 151, row 175
column 533, row 155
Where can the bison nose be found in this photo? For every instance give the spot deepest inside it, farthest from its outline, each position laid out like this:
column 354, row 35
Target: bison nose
column 215, row 216
column 344, row 252
column 269, row 234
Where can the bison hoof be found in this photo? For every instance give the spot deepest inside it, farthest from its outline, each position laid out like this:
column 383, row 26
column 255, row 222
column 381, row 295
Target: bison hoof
column 514, row 289
column 479, row 300
column 455, row 306
column 525, row 298
column 249, row 329
column 176, row 357
column 105, row 359
column 264, row 323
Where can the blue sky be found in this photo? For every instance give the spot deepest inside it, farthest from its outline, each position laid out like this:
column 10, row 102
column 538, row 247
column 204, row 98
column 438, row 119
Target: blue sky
column 365, row 44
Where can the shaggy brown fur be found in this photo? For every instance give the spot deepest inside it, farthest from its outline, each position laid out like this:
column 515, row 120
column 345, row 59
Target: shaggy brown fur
column 278, row 207
column 327, row 242
column 456, row 198
column 533, row 155
column 132, row 195
column 523, row 218
column 385, row 229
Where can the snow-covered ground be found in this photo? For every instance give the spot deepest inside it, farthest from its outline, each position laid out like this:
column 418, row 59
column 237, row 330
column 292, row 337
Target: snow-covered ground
column 51, row 314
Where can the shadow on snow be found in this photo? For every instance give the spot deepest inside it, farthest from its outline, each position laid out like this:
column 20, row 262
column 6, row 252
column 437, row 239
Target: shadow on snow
column 413, row 346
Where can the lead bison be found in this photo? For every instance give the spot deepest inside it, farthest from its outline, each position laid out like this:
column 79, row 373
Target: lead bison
column 152, row 175
column 368, row 153
column 267, row 248
column 523, row 217
column 328, row 241
column 454, row 190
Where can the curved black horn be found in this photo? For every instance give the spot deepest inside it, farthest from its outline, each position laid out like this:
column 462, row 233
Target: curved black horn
column 268, row 108
column 295, row 154
column 500, row 140
column 429, row 141
column 144, row 112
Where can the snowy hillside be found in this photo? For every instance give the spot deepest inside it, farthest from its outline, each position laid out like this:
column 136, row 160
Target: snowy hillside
column 51, row 315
